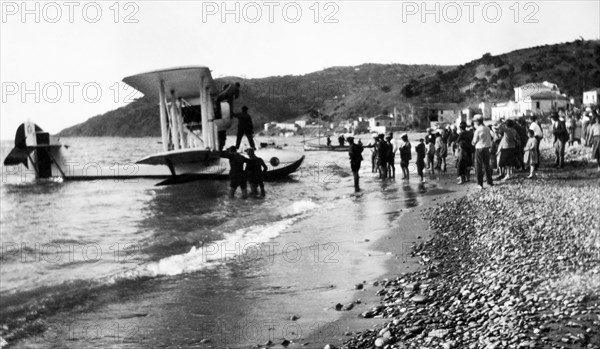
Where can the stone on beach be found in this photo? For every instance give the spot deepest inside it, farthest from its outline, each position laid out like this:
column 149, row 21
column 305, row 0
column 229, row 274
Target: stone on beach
column 419, row 299
column 516, row 267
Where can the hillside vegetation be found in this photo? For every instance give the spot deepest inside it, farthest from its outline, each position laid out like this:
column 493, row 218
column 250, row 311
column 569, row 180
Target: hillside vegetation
column 573, row 66
column 330, row 94
column 341, row 93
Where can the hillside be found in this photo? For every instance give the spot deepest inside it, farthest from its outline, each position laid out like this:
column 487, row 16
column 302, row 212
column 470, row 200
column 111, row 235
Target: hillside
column 367, row 90
column 573, row 66
column 333, row 94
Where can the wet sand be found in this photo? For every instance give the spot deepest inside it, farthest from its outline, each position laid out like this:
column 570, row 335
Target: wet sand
column 412, row 229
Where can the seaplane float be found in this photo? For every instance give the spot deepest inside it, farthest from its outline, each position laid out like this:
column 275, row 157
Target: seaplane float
column 190, row 121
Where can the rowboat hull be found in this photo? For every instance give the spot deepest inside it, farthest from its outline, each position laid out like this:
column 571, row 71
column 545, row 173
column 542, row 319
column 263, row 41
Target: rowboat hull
column 323, row 147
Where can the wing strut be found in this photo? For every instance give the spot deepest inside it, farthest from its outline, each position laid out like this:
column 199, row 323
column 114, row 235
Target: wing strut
column 171, row 167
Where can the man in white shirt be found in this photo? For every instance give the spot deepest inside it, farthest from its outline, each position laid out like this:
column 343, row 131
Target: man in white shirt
column 538, row 134
column 482, row 140
column 585, row 121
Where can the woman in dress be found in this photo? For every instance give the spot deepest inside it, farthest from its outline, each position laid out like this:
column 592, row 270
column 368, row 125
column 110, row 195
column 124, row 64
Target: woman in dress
column 594, row 140
column 508, row 149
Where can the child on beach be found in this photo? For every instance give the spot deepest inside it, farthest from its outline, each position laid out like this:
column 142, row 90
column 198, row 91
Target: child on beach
column 441, row 150
column 420, row 149
column 530, row 157
column 431, row 155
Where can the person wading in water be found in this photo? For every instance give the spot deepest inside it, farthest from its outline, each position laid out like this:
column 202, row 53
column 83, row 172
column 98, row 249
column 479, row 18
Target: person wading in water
column 237, row 176
column 255, row 172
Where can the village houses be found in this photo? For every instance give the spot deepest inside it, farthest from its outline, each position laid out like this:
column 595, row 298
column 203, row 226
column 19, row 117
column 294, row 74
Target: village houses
column 591, row 97
column 531, row 99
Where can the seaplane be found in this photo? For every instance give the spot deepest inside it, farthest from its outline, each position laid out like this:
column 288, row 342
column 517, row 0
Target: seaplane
column 191, row 118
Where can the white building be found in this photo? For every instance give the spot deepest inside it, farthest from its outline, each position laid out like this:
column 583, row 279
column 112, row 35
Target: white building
column 381, row 120
column 486, row 110
column 286, row 126
column 301, row 123
column 280, row 125
column 383, row 124
column 532, row 88
column 542, row 103
column 505, row 110
column 591, row 97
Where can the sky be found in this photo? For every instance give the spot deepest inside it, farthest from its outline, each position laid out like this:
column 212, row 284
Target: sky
column 62, row 62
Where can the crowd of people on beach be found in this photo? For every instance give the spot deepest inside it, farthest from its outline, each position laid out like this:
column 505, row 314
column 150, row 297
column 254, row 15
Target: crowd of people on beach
column 505, row 147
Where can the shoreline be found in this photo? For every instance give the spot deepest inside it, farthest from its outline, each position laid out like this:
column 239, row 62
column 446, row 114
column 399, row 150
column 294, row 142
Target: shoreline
column 408, row 329
column 415, row 229
column 391, row 248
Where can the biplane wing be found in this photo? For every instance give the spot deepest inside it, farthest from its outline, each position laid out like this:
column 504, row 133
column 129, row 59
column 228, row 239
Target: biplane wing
column 186, row 82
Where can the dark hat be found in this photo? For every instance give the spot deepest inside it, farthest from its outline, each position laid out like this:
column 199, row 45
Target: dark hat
column 244, row 108
column 349, row 138
column 463, row 125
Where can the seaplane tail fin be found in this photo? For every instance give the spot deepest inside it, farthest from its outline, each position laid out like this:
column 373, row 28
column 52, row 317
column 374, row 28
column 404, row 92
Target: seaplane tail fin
column 24, row 137
column 35, row 147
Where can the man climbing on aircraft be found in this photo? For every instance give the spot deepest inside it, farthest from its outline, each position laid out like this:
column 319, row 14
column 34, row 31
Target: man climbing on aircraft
column 237, row 175
column 229, row 94
column 245, row 127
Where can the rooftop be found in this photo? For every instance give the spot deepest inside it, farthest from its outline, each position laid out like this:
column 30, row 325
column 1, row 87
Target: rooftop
column 547, row 95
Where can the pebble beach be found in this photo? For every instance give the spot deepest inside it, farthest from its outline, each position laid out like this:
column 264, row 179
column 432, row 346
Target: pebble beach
column 513, row 266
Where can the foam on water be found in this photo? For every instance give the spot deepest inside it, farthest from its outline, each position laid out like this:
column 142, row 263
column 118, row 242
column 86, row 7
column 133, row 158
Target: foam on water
column 297, row 208
column 231, row 247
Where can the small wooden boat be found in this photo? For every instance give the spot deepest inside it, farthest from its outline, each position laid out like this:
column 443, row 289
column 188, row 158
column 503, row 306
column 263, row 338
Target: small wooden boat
column 325, row 147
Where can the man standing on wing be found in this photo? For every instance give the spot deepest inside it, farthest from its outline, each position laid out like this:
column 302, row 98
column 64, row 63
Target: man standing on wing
column 245, row 127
